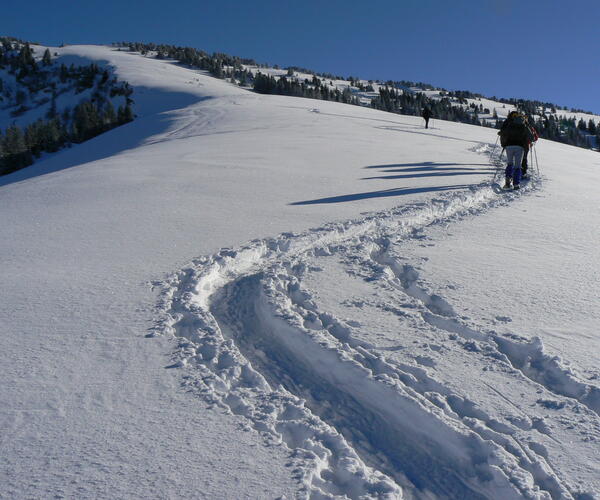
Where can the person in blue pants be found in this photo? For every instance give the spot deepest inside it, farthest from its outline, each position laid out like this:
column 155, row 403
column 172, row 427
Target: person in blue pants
column 515, row 137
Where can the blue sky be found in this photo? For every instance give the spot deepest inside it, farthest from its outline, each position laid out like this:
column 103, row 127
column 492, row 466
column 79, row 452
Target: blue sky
column 547, row 50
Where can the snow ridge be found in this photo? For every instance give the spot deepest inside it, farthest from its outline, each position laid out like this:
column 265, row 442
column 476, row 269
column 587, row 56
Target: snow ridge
column 255, row 343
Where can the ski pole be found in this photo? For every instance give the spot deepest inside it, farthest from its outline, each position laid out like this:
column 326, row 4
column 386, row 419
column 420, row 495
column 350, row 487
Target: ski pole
column 537, row 165
column 494, row 149
column 499, row 166
column 531, row 164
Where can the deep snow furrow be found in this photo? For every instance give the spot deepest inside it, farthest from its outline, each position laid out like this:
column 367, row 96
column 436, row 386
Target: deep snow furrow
column 326, row 467
column 397, row 431
column 416, row 381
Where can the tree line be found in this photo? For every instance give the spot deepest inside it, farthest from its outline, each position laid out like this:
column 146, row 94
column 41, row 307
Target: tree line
column 40, row 83
column 412, row 103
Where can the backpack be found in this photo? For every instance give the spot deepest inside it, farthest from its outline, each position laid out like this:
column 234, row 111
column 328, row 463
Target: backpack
column 514, row 132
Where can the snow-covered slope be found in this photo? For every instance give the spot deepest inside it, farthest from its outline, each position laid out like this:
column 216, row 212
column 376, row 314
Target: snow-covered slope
column 246, row 296
column 489, row 111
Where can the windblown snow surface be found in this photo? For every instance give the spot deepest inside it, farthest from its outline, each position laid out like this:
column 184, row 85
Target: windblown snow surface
column 245, row 296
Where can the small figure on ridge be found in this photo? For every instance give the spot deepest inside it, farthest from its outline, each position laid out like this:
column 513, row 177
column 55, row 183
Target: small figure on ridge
column 427, row 114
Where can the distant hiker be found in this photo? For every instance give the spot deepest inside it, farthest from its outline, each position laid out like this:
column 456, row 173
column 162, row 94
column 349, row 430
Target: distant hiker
column 515, row 136
column 534, row 137
column 427, row 114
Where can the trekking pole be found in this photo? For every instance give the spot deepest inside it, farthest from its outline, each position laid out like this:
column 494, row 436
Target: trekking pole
column 492, row 162
column 494, row 149
column 499, row 166
column 531, row 158
column 537, row 165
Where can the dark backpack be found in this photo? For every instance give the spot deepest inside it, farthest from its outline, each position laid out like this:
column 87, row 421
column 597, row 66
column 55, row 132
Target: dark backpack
column 514, row 133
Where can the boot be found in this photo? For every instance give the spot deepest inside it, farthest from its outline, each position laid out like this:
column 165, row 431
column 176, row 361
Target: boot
column 507, row 183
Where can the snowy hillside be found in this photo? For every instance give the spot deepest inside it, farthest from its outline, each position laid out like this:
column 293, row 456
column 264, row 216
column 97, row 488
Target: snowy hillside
column 489, row 112
column 552, row 122
column 250, row 296
column 502, row 109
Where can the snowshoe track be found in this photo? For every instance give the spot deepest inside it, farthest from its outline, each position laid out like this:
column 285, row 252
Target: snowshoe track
column 255, row 343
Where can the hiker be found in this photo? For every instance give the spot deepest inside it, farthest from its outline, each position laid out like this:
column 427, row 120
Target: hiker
column 535, row 136
column 515, row 136
column 427, row 115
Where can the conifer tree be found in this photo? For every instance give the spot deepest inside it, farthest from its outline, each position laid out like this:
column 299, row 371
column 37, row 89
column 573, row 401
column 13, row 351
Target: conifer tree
column 26, row 56
column 592, row 127
column 129, row 116
column 109, row 117
column 47, row 58
column 16, row 154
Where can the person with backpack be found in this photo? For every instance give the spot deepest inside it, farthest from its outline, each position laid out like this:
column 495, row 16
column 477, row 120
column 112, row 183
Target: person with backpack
column 515, row 138
column 427, row 114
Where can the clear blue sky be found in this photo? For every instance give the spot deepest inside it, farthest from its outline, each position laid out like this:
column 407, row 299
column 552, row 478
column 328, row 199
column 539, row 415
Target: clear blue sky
column 546, row 50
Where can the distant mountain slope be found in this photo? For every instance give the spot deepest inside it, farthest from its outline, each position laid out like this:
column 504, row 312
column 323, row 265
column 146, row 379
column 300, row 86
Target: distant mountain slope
column 573, row 127
column 49, row 102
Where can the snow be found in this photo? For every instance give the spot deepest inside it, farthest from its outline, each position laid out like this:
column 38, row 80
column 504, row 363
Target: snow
column 248, row 296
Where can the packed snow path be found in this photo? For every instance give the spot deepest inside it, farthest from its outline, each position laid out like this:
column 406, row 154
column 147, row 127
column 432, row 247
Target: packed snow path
column 260, row 339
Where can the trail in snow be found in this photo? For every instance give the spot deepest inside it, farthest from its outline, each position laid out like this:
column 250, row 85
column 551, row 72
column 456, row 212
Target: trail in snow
column 526, row 356
column 357, row 422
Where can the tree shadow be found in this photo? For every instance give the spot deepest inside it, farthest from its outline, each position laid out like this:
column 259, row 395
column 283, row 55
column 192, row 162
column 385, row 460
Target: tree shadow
column 380, row 194
column 163, row 106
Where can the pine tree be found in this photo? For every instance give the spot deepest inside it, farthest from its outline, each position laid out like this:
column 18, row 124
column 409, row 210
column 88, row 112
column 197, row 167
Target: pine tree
column 592, row 127
column 16, row 153
column 129, row 116
column 109, row 117
column 26, row 57
column 124, row 114
column 47, row 58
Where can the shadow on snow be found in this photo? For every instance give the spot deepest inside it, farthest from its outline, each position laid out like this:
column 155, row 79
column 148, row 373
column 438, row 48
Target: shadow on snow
column 381, row 194
column 159, row 119
column 430, row 169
